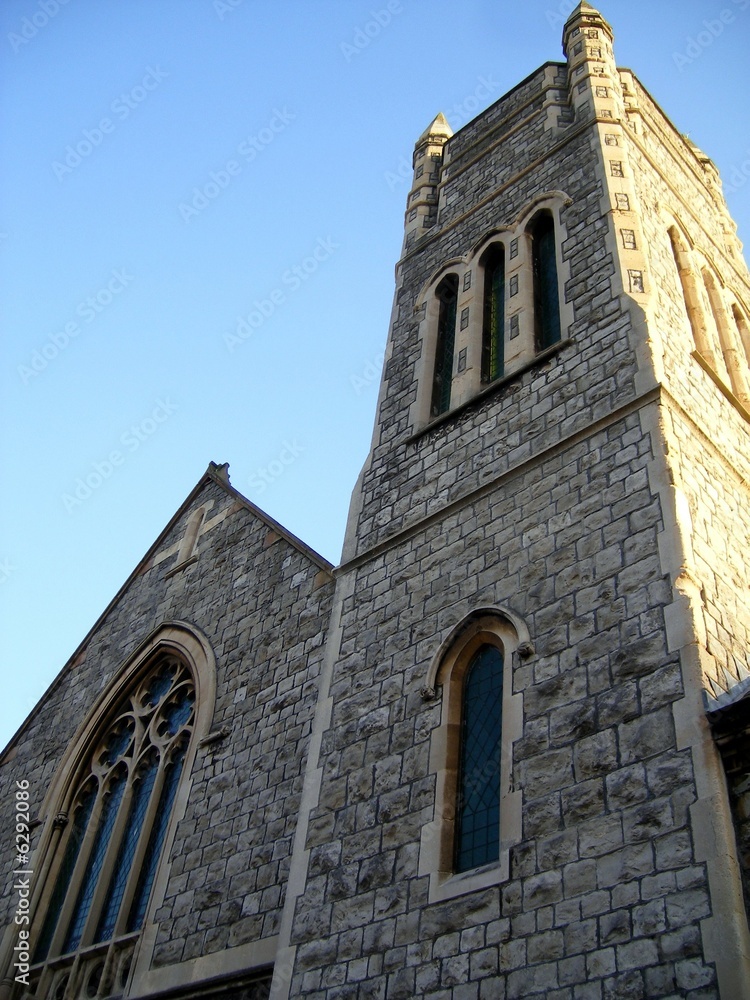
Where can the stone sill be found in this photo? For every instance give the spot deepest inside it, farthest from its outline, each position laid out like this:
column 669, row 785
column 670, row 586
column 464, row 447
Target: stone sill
column 489, row 390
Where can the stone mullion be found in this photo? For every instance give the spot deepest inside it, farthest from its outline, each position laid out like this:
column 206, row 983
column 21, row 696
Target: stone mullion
column 110, row 856
column 138, row 857
column 84, row 856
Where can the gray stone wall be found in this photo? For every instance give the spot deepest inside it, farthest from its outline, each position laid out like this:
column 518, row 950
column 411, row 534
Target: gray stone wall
column 605, row 895
column 263, row 605
column 405, row 479
column 543, row 497
column 707, row 436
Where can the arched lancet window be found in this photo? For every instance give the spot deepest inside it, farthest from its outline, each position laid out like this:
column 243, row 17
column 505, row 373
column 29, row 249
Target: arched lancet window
column 689, row 293
column 447, row 295
column 731, row 367
column 493, row 327
column 478, row 800
column 120, row 811
column 477, row 810
column 546, row 296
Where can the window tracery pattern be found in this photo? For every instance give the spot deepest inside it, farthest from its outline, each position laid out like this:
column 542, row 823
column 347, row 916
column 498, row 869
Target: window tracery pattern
column 120, row 811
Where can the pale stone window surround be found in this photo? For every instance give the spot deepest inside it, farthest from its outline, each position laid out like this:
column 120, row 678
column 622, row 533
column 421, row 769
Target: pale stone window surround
column 692, row 294
column 732, row 367
column 91, row 966
column 430, row 302
column 503, row 629
column 521, row 350
column 743, row 328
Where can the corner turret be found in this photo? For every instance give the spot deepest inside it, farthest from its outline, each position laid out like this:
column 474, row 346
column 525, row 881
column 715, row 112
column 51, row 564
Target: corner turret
column 422, row 204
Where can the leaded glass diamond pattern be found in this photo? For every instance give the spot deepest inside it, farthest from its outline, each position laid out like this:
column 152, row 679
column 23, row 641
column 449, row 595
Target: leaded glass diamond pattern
column 478, row 806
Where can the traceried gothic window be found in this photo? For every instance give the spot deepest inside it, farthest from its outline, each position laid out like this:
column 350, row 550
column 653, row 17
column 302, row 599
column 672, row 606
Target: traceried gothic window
column 118, row 819
column 493, row 327
column 478, row 793
column 546, row 296
column 447, row 295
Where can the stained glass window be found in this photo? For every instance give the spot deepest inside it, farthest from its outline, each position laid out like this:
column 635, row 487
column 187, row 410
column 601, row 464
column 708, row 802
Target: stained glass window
column 447, row 294
column 493, row 333
column 156, row 840
column 141, row 794
column 122, row 812
column 112, row 799
column 81, row 819
column 546, row 298
column 478, row 807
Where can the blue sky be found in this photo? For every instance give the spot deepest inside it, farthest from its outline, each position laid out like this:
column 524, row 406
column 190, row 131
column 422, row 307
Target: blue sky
column 201, row 210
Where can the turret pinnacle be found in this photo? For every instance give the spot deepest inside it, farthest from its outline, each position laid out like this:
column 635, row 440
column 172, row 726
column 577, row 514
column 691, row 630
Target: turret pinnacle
column 584, row 17
column 438, row 127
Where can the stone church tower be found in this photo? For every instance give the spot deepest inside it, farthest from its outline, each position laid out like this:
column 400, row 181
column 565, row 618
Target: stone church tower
column 502, row 750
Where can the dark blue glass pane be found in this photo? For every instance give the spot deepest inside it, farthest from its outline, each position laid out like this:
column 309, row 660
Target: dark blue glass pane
column 155, row 841
column 478, row 806
column 493, row 334
column 118, row 741
column 159, row 684
column 138, row 806
column 80, row 822
column 447, row 293
column 110, row 805
column 179, row 711
column 546, row 301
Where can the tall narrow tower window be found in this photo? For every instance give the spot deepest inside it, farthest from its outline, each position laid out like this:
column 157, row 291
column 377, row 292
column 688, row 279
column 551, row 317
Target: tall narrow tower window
column 447, row 295
column 493, row 330
column 546, row 297
column 478, row 806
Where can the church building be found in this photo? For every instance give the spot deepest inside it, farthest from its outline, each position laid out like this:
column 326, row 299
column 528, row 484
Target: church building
column 502, row 751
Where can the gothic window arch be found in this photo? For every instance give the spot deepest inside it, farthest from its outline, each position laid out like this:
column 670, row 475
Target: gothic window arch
column 113, row 803
column 719, row 331
column 690, row 295
column 477, row 831
column 731, row 368
column 493, row 316
column 477, row 813
column 547, row 327
column 447, row 296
